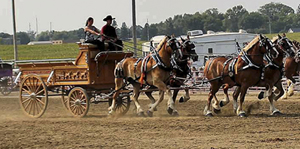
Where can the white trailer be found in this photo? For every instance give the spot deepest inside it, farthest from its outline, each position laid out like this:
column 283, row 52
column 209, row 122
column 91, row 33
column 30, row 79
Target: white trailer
column 218, row 44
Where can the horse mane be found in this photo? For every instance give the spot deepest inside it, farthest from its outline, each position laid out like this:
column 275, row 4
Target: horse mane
column 275, row 38
column 161, row 43
column 251, row 44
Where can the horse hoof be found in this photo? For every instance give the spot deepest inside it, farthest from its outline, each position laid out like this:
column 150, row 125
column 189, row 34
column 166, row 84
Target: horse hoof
column 276, row 113
column 291, row 94
column 242, row 115
column 209, row 115
column 175, row 113
column 261, row 95
column 217, row 111
column 149, row 113
column 221, row 104
column 181, row 100
column 170, row 110
column 141, row 114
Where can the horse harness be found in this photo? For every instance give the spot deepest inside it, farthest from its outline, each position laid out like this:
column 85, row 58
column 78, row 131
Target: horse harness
column 159, row 63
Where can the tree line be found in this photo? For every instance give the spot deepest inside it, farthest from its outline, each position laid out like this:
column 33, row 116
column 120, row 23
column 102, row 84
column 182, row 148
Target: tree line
column 269, row 18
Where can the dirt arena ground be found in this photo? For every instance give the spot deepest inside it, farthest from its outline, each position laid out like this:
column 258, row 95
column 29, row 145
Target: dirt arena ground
column 58, row 129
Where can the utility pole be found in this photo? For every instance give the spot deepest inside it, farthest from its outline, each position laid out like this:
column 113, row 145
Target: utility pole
column 36, row 23
column 270, row 30
column 134, row 27
column 50, row 32
column 14, row 30
column 148, row 36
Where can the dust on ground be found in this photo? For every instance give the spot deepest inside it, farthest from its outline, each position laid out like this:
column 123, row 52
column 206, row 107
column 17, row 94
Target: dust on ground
column 58, row 129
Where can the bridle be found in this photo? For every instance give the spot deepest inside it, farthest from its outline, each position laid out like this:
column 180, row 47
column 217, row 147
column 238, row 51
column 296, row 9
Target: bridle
column 262, row 43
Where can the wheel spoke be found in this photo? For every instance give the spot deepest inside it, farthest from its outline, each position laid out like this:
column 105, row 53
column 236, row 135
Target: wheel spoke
column 33, row 107
column 38, row 88
column 80, row 110
column 28, row 86
column 83, row 107
column 40, row 105
column 40, row 92
column 26, row 100
column 82, row 97
column 40, row 101
column 30, row 108
column 73, row 99
column 72, row 108
column 31, row 87
column 27, row 105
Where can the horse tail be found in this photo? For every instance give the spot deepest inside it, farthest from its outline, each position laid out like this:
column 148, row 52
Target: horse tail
column 208, row 64
column 119, row 72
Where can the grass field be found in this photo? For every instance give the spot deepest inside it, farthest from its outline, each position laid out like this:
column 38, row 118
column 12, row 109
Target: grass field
column 70, row 50
column 35, row 52
column 291, row 36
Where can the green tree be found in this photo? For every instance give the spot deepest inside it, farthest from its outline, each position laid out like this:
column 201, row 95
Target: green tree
column 145, row 32
column 43, row 36
column 24, row 37
column 153, row 31
column 298, row 9
column 253, row 22
column 124, row 32
column 233, row 17
column 276, row 13
column 212, row 20
column 114, row 24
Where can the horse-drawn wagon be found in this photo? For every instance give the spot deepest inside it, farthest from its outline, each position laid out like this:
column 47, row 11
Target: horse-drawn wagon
column 77, row 81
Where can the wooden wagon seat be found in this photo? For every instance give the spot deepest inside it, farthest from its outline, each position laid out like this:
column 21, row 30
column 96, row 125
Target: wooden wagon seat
column 95, row 50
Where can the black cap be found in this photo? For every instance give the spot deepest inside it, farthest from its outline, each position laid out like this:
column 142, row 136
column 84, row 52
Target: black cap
column 109, row 17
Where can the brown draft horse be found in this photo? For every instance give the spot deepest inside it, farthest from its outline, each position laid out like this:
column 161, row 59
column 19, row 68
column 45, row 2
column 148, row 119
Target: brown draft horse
column 181, row 70
column 272, row 74
column 245, row 72
column 157, row 73
column 291, row 68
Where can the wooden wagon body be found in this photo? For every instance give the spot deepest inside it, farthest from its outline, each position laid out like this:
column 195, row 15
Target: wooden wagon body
column 91, row 73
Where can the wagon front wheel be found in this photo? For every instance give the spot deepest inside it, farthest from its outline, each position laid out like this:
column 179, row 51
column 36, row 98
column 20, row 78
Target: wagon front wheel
column 78, row 102
column 122, row 104
column 33, row 96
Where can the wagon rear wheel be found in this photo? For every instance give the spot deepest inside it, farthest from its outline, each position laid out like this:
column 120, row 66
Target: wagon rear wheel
column 122, row 104
column 78, row 102
column 33, row 96
column 7, row 88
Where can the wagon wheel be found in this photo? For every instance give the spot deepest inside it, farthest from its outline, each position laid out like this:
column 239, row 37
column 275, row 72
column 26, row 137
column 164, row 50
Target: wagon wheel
column 78, row 102
column 64, row 99
column 33, row 96
column 6, row 90
column 122, row 104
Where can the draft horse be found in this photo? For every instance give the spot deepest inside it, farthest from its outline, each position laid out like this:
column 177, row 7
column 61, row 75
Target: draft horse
column 153, row 70
column 272, row 74
column 291, row 68
column 244, row 71
column 180, row 72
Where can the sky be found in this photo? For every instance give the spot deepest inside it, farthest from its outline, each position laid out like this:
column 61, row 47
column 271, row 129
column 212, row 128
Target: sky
column 72, row 14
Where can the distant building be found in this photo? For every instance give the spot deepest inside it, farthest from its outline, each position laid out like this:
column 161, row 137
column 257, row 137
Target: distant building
column 294, row 30
column 53, row 42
